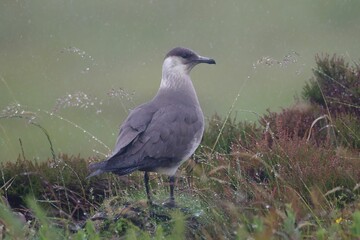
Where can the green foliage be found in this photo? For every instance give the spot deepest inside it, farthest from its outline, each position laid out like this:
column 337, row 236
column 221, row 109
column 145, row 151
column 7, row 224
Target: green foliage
column 45, row 228
column 355, row 227
column 321, row 234
column 348, row 130
column 335, row 85
column 336, row 88
column 178, row 231
column 9, row 220
column 60, row 183
column 159, row 234
column 289, row 224
column 88, row 233
column 219, row 136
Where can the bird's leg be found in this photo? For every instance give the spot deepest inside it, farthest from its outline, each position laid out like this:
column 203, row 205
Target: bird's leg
column 172, row 185
column 171, row 202
column 147, row 187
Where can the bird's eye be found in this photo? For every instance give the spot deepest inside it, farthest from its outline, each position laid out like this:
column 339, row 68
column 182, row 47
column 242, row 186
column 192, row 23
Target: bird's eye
column 186, row 55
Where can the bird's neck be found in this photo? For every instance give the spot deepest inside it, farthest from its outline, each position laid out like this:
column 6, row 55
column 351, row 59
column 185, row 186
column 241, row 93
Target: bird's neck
column 177, row 83
column 175, row 76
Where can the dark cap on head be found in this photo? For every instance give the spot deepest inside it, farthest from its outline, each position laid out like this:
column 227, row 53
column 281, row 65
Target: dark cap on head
column 181, row 52
column 189, row 55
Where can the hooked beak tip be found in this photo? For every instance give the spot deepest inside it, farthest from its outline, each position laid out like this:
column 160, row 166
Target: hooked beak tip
column 211, row 61
column 205, row 60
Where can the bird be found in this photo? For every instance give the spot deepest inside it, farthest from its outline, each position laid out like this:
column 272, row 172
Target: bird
column 160, row 135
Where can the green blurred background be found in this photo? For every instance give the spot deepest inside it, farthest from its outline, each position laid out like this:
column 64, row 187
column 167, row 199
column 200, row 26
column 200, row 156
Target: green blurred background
column 91, row 61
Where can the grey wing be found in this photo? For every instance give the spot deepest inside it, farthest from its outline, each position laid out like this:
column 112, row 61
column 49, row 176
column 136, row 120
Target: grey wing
column 135, row 124
column 172, row 135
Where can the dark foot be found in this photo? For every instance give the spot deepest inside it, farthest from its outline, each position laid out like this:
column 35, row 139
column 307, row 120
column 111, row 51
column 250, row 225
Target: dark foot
column 170, row 203
column 152, row 204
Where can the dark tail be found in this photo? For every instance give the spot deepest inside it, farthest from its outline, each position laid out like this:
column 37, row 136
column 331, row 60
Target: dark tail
column 101, row 167
column 96, row 169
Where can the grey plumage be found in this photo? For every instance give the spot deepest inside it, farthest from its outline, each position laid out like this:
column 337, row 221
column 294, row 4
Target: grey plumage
column 159, row 135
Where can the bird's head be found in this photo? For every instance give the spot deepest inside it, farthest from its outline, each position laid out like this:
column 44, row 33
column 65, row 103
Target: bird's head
column 180, row 61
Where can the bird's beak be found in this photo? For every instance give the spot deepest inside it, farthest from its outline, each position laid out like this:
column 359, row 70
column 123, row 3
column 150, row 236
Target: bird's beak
column 201, row 59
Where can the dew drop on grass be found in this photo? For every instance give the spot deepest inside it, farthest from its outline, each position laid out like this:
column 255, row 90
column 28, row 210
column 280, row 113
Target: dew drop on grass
column 288, row 59
column 199, row 213
column 77, row 99
column 86, row 70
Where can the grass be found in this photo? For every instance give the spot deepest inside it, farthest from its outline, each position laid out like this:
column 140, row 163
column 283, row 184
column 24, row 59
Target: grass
column 294, row 175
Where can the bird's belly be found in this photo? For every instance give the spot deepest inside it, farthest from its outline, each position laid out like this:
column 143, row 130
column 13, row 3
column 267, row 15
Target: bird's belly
column 171, row 170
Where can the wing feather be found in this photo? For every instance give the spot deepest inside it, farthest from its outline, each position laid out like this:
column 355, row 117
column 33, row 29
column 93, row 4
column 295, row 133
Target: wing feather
column 150, row 139
column 135, row 124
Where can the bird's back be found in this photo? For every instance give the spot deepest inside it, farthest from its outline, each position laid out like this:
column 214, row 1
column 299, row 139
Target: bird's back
column 157, row 136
